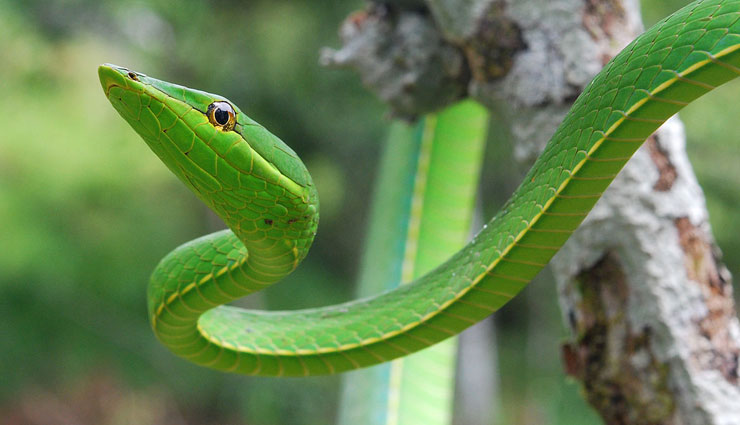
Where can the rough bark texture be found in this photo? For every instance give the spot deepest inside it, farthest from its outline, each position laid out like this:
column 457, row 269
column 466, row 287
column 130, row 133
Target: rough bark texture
column 402, row 58
column 656, row 336
column 656, row 339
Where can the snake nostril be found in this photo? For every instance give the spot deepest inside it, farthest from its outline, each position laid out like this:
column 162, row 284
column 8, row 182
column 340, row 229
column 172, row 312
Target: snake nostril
column 132, row 75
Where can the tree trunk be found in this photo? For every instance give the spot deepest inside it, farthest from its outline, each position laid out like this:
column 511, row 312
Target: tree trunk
column 655, row 337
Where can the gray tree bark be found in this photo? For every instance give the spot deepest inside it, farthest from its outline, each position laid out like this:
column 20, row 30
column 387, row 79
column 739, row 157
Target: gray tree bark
column 655, row 336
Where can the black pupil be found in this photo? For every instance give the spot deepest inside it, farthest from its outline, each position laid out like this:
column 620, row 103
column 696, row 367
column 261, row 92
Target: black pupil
column 221, row 115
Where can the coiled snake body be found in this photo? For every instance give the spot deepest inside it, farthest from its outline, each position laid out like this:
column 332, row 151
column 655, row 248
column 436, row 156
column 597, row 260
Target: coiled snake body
column 262, row 191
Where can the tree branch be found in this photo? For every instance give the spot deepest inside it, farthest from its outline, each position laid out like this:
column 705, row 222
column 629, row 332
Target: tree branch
column 656, row 339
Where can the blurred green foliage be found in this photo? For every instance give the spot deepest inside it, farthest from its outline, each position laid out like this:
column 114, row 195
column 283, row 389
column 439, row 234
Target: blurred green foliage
column 86, row 210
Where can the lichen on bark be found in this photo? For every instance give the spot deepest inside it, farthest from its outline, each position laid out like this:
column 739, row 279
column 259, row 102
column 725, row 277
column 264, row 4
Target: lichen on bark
column 402, row 58
column 419, row 59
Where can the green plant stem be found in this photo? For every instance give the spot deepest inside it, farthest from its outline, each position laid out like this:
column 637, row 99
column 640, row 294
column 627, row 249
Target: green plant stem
column 421, row 214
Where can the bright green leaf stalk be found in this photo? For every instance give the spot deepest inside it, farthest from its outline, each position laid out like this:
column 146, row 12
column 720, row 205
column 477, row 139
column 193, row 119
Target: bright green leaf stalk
column 421, row 215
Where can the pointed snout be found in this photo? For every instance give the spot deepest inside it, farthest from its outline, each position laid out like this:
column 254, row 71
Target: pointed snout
column 113, row 75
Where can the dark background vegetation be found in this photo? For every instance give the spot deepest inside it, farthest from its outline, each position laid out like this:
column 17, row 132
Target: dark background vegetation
column 86, row 211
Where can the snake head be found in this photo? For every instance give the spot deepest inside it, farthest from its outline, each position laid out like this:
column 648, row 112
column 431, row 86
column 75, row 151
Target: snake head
column 248, row 176
column 211, row 117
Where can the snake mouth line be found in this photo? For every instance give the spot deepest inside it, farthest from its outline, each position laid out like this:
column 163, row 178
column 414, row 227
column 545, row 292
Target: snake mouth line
column 108, row 88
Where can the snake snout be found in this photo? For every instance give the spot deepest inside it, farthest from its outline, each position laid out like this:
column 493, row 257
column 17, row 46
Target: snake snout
column 109, row 77
column 113, row 75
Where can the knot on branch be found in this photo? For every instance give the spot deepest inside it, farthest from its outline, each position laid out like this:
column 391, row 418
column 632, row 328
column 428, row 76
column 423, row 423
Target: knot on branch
column 419, row 58
column 491, row 48
column 401, row 57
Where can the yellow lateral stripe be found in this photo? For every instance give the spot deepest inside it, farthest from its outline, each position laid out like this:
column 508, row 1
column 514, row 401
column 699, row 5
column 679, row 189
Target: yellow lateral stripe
column 576, row 214
column 528, row 263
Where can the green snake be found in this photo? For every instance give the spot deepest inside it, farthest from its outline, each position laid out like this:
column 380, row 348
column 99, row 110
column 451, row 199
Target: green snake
column 264, row 194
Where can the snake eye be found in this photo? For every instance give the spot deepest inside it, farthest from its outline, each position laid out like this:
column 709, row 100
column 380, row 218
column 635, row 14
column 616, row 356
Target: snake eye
column 221, row 115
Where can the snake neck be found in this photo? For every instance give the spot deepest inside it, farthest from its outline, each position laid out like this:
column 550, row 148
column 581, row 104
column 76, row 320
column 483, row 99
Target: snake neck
column 275, row 218
column 276, row 226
